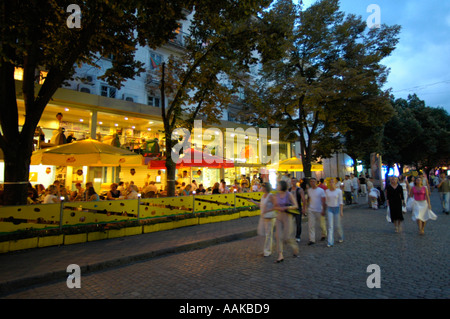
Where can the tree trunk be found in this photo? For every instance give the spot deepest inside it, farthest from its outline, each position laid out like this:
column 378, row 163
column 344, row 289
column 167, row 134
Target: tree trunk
column 170, row 166
column 17, row 171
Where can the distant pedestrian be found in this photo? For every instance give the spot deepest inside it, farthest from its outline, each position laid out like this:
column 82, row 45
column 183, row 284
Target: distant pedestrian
column 403, row 182
column 395, row 203
column 347, row 190
column 267, row 218
column 374, row 196
column 299, row 194
column 355, row 188
column 335, row 211
column 363, row 185
column 421, row 209
column 285, row 220
column 444, row 193
column 316, row 211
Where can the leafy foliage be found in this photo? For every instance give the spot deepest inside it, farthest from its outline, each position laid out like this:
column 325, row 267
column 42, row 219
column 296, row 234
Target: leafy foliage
column 329, row 81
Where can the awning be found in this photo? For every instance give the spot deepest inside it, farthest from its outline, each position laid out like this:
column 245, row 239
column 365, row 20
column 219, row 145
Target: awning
column 294, row 164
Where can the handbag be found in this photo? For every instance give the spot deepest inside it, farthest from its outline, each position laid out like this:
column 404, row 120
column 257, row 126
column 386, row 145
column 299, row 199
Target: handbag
column 271, row 214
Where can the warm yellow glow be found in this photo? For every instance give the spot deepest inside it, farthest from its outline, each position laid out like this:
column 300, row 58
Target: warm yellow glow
column 18, row 74
column 42, row 76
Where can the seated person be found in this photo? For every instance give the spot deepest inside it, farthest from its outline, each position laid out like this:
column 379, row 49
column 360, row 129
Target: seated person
column 200, row 190
column 113, row 193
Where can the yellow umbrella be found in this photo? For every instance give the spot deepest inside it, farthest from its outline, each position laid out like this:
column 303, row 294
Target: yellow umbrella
column 87, row 152
column 294, row 164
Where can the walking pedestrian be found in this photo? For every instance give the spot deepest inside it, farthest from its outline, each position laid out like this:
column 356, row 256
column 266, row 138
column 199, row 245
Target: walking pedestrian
column 285, row 221
column 395, row 202
column 335, row 211
column 355, row 188
column 316, row 210
column 444, row 193
column 299, row 195
column 347, row 190
column 363, row 185
column 421, row 209
column 403, row 182
column 267, row 218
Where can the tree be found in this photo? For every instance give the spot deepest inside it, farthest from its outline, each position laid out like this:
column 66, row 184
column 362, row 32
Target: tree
column 417, row 135
column 222, row 43
column 36, row 35
column 329, row 82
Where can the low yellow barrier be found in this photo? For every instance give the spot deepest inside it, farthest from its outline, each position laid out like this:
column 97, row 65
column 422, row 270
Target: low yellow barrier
column 47, row 216
column 14, row 218
column 145, row 215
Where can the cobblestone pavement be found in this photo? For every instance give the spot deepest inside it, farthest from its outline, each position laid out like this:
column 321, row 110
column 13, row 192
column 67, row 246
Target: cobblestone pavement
column 411, row 266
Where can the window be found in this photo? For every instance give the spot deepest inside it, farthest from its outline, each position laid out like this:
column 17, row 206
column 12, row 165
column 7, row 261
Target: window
column 153, row 101
column 108, row 91
column 155, row 60
column 85, row 90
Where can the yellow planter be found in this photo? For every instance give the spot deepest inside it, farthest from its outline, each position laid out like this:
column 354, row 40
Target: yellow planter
column 165, row 226
column 210, row 219
column 158, row 227
column 50, row 241
column 114, row 233
column 98, row 235
column 130, row 231
column 75, row 239
column 4, row 247
column 249, row 213
column 23, row 244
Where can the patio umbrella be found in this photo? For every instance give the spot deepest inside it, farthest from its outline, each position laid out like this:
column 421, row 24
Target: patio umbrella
column 294, row 164
column 87, row 152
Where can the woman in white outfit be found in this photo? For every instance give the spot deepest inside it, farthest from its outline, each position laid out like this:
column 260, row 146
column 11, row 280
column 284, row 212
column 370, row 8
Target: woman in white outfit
column 266, row 221
column 335, row 210
column 421, row 208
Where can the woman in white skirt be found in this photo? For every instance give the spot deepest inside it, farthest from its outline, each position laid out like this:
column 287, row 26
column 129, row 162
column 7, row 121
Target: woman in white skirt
column 421, row 209
column 267, row 218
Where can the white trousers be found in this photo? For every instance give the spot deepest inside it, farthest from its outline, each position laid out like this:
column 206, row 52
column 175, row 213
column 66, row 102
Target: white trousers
column 314, row 219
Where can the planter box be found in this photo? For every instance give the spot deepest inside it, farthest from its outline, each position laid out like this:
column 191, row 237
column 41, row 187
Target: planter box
column 98, row 235
column 4, row 247
column 51, row 241
column 211, row 219
column 23, row 244
column 158, row 227
column 185, row 222
column 136, row 230
column 75, row 239
column 114, row 233
column 250, row 213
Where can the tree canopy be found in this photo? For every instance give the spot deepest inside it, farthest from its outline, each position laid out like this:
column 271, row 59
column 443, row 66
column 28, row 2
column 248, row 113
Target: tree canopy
column 36, row 36
column 329, row 81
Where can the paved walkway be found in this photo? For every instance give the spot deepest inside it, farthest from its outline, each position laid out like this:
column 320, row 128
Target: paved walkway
column 25, row 268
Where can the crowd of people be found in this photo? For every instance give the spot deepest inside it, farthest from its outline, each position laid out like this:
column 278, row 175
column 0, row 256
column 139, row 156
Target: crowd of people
column 323, row 202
